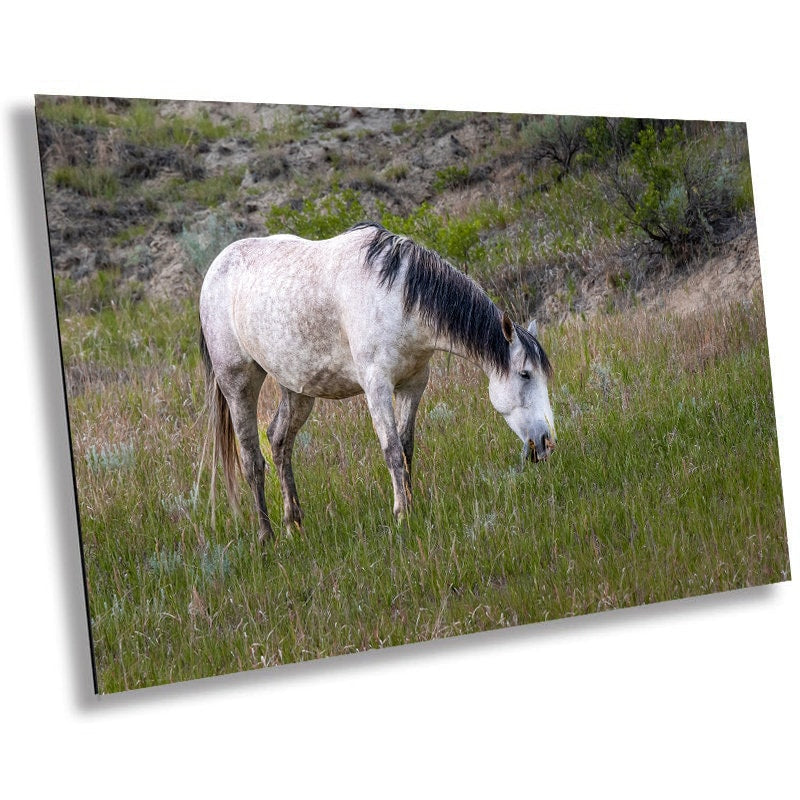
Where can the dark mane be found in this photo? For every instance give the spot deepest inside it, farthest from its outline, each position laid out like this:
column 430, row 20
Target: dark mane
column 446, row 299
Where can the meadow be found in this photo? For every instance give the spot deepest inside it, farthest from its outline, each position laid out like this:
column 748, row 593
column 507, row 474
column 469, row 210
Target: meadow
column 666, row 479
column 665, row 484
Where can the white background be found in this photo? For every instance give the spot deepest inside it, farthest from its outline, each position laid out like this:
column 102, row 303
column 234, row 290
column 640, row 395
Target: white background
column 688, row 698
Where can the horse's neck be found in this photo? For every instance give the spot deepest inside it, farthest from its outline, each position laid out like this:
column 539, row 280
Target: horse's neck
column 447, row 345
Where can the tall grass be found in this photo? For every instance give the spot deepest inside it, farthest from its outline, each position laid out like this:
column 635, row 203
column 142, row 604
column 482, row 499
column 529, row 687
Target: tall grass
column 665, row 484
column 88, row 180
column 139, row 120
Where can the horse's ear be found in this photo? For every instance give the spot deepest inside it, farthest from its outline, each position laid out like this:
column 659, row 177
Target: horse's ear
column 507, row 326
column 533, row 328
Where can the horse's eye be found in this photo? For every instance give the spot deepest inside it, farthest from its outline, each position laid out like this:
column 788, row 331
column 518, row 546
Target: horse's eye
column 525, row 375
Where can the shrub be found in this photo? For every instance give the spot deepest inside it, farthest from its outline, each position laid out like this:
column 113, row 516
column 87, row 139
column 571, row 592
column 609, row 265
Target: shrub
column 365, row 179
column 203, row 244
column 682, row 194
column 110, row 458
column 556, row 140
column 456, row 239
column 269, row 166
column 436, row 124
column 318, row 217
column 611, row 138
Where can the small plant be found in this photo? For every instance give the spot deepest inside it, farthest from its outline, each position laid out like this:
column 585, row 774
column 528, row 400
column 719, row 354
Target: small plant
column 204, row 243
column 452, row 177
column 396, row 172
column 165, row 562
column 288, row 126
column 441, row 413
column 128, row 235
column 110, row 458
column 209, row 192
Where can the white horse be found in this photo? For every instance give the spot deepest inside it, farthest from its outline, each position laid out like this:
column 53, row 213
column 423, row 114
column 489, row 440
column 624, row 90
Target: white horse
column 361, row 312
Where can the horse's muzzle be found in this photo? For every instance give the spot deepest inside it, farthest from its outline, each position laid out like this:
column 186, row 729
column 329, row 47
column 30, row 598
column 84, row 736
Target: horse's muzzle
column 541, row 450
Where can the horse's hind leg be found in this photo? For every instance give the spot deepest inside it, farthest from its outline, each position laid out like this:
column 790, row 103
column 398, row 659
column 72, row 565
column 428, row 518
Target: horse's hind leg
column 292, row 413
column 241, row 386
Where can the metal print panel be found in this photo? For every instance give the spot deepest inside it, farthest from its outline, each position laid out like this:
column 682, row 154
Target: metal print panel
column 347, row 378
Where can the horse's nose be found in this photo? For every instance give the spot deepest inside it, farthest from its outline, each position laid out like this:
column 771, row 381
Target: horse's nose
column 539, row 450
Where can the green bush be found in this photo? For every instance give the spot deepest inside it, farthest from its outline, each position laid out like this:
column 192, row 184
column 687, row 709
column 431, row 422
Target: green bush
column 556, row 140
column 611, row 138
column 457, row 239
column 318, row 217
column 683, row 194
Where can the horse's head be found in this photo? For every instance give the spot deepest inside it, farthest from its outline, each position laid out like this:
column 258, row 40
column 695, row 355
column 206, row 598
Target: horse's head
column 520, row 395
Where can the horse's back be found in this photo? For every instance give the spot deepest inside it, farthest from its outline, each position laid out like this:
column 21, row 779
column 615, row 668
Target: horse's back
column 290, row 304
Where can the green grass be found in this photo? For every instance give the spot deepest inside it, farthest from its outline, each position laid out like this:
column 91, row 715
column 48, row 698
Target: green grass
column 665, row 484
column 139, row 121
column 209, row 192
column 289, row 125
column 143, row 124
column 73, row 111
column 88, row 180
column 451, row 177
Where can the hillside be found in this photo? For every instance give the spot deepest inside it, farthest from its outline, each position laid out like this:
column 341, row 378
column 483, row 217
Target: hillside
column 142, row 194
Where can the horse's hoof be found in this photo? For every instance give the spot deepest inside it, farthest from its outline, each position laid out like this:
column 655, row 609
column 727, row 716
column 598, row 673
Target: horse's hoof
column 266, row 537
column 291, row 528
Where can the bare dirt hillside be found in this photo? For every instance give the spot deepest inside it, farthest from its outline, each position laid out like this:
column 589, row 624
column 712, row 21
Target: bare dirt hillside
column 124, row 195
column 732, row 275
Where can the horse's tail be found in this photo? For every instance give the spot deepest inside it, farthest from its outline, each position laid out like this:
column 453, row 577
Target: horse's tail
column 220, row 427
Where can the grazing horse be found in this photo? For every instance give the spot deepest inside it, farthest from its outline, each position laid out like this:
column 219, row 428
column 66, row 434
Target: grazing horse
column 361, row 312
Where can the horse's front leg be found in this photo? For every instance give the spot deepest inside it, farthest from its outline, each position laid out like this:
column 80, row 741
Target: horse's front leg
column 378, row 391
column 407, row 397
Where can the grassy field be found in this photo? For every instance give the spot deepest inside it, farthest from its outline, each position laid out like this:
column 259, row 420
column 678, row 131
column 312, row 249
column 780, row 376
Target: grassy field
column 665, row 484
